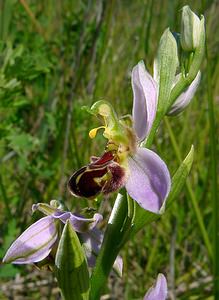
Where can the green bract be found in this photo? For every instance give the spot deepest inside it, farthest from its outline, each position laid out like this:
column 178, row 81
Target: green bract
column 165, row 65
column 71, row 266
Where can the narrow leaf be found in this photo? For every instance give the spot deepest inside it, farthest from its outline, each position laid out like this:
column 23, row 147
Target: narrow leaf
column 71, row 266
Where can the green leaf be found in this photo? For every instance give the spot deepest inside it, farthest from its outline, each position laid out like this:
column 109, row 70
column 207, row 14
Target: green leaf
column 165, row 66
column 5, row 17
column 71, row 266
column 8, row 271
column 143, row 217
column 22, row 142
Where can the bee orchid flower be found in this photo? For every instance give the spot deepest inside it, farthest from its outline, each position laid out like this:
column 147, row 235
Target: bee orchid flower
column 124, row 162
column 38, row 241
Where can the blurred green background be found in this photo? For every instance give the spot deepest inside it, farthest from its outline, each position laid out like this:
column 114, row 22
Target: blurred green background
column 55, row 57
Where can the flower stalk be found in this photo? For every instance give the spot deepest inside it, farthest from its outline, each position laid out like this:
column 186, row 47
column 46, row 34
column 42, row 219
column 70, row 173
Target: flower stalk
column 118, row 226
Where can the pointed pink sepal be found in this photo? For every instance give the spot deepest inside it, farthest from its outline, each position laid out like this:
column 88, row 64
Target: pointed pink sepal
column 149, row 181
column 185, row 98
column 159, row 290
column 34, row 244
column 145, row 100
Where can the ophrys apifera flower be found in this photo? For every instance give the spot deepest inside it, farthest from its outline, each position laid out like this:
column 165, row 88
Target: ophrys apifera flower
column 124, row 162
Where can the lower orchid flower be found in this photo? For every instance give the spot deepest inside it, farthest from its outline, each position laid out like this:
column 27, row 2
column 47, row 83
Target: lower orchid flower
column 124, row 163
column 39, row 241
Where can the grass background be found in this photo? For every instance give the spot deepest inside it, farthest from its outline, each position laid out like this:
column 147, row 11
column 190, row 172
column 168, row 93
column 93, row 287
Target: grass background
column 56, row 56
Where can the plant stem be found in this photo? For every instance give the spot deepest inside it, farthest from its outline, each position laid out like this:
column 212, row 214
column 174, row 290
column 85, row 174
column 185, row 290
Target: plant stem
column 213, row 171
column 112, row 243
column 5, row 199
column 148, row 142
column 191, row 194
column 32, row 17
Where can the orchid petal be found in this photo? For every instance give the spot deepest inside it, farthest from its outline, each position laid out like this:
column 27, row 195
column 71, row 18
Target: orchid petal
column 149, row 180
column 46, row 209
column 80, row 224
column 145, row 100
column 118, row 266
column 159, row 290
column 92, row 241
column 185, row 98
column 34, row 244
column 62, row 216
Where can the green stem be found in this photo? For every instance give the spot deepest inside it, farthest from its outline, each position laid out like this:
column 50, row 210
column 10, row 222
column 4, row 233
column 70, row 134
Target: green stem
column 148, row 142
column 115, row 233
column 191, row 194
column 5, row 199
column 36, row 24
column 213, row 170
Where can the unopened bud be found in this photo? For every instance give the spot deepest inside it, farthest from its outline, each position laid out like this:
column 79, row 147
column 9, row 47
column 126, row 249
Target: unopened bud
column 191, row 29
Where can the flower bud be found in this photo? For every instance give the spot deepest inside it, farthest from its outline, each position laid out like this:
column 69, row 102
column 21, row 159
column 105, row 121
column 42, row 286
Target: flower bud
column 191, row 29
column 185, row 97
